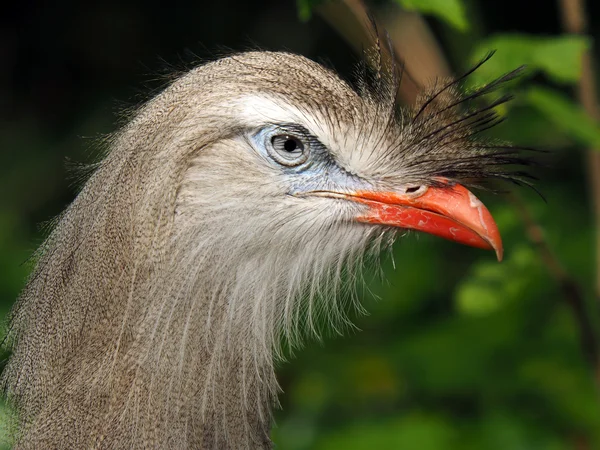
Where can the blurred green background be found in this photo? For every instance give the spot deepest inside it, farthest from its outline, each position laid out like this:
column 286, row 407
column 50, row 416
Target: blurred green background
column 458, row 351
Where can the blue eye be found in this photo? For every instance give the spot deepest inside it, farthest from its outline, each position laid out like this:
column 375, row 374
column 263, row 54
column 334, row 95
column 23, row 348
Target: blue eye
column 289, row 145
column 288, row 149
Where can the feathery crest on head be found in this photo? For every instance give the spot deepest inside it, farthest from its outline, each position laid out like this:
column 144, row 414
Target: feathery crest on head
column 442, row 132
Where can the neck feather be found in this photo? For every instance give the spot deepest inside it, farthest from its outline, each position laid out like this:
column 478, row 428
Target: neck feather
column 115, row 340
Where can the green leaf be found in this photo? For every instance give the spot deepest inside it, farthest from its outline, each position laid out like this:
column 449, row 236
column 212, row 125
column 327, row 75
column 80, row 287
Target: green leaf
column 429, row 431
column 478, row 299
column 306, row 7
column 558, row 57
column 451, row 11
column 566, row 115
column 491, row 285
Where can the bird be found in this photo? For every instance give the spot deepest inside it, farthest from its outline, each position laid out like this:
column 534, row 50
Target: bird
column 223, row 219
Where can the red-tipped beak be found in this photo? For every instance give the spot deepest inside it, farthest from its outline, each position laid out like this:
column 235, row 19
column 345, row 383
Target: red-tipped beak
column 451, row 212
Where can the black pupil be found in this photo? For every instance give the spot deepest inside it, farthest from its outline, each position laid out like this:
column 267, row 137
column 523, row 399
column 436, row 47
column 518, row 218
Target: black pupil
column 290, row 145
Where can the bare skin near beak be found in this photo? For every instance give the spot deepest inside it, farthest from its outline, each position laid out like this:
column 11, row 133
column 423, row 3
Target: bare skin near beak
column 451, row 212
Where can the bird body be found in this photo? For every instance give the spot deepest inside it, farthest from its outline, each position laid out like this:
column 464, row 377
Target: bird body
column 225, row 216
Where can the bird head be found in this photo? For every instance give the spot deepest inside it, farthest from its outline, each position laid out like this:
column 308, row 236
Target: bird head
column 292, row 173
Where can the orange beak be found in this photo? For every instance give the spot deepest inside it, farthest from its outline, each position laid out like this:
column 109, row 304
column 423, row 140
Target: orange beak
column 451, row 212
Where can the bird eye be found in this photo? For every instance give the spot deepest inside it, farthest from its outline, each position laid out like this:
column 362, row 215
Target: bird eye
column 288, row 150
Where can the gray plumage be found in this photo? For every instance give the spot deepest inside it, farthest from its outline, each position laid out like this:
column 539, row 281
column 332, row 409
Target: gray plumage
column 156, row 308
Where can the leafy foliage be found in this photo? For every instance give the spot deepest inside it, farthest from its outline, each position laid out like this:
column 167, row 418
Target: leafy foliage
column 452, row 12
column 558, row 57
column 563, row 113
column 305, row 8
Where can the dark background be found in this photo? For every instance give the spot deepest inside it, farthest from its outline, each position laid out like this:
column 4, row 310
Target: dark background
column 459, row 352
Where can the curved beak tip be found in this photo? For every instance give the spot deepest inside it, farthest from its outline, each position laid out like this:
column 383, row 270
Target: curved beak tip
column 499, row 253
column 451, row 212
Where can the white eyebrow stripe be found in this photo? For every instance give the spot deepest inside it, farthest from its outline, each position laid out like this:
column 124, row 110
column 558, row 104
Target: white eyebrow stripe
column 257, row 110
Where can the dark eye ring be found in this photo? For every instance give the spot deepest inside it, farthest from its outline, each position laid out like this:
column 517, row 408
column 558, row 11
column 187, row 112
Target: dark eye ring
column 288, row 150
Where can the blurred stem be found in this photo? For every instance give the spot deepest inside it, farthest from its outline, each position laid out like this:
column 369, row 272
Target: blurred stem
column 572, row 293
column 413, row 43
column 574, row 21
column 350, row 18
column 569, row 287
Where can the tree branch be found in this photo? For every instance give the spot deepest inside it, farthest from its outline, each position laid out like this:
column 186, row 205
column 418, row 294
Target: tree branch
column 414, row 45
column 569, row 287
column 574, row 21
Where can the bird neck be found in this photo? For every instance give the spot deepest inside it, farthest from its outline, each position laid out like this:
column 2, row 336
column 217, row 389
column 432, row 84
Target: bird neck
column 155, row 379
column 139, row 343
